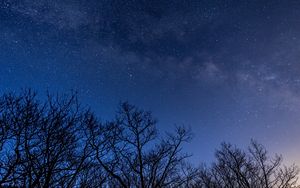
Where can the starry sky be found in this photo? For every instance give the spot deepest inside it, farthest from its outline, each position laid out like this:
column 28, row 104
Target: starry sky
column 228, row 69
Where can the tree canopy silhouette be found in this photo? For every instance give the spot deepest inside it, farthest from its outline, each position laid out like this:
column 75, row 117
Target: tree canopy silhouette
column 247, row 169
column 58, row 143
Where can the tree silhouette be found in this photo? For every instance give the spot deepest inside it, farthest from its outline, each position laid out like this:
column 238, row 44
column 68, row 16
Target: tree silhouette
column 247, row 169
column 58, row 143
column 133, row 156
column 41, row 143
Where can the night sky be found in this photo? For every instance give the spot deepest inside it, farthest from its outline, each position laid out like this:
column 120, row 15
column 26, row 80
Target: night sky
column 228, row 69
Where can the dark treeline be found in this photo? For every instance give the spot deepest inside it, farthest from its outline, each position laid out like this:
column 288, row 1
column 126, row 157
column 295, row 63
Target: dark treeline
column 58, row 143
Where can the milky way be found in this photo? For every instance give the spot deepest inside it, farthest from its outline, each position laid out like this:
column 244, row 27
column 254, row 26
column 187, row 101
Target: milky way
column 228, row 69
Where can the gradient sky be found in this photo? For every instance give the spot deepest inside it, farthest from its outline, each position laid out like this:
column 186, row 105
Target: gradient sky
column 229, row 69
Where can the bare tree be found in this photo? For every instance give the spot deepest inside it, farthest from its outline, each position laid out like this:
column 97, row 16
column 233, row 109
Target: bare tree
column 42, row 144
column 131, row 153
column 57, row 143
column 236, row 168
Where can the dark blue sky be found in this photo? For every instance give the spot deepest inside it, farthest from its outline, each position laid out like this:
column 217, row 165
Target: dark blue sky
column 229, row 69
